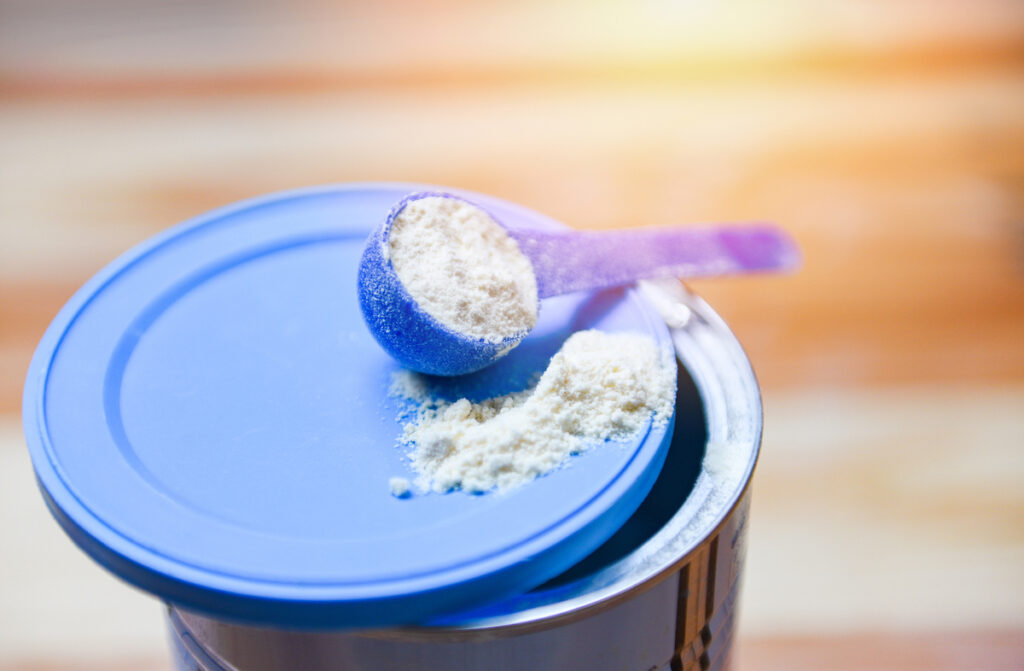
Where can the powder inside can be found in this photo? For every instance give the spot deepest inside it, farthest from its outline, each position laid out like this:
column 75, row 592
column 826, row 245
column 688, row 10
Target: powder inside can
column 598, row 387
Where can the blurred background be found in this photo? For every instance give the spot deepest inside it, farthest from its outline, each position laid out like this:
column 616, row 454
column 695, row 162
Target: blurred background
column 887, row 529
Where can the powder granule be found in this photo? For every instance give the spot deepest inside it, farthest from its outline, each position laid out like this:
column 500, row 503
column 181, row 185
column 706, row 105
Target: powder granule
column 399, row 487
column 463, row 269
column 599, row 386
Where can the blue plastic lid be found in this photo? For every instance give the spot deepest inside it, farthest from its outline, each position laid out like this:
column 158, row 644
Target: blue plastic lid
column 209, row 419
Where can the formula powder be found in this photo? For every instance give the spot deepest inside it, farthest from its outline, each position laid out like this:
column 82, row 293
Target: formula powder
column 599, row 386
column 399, row 487
column 463, row 269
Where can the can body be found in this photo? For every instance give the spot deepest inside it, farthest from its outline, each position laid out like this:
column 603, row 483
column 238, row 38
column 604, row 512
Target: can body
column 661, row 594
column 685, row 621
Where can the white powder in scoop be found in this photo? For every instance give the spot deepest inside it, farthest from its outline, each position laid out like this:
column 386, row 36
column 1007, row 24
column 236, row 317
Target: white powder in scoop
column 463, row 269
column 599, row 386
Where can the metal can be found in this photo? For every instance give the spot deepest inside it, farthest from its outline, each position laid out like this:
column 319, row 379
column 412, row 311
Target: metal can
column 660, row 594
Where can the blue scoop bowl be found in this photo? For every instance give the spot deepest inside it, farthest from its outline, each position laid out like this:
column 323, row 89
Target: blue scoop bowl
column 563, row 262
column 410, row 335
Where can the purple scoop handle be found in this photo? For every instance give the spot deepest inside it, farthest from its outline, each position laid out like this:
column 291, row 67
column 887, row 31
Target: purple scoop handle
column 579, row 260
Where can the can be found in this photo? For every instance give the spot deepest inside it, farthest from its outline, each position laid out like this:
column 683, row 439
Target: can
column 661, row 594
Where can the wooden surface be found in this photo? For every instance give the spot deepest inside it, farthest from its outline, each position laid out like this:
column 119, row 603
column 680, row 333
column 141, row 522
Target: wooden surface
column 1000, row 650
column 888, row 514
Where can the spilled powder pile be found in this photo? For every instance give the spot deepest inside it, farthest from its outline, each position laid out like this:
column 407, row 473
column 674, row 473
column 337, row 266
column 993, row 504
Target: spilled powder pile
column 599, row 386
column 463, row 269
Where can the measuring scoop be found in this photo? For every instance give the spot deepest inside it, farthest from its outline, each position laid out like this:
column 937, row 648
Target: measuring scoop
column 563, row 262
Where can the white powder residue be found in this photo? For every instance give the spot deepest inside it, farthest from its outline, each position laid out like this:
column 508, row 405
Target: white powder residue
column 399, row 487
column 669, row 298
column 724, row 462
column 463, row 269
column 599, row 386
